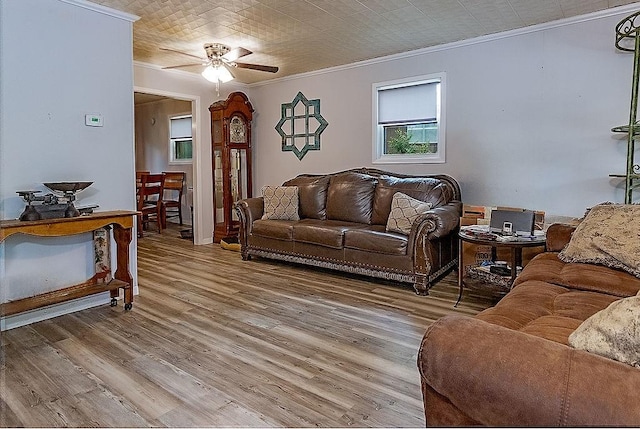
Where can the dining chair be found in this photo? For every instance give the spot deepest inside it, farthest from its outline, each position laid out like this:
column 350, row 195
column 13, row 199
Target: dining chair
column 150, row 201
column 172, row 195
column 139, row 174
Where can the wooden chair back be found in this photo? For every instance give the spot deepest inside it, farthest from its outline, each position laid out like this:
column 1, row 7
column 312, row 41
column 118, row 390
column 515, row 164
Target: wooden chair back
column 174, row 182
column 139, row 175
column 150, row 201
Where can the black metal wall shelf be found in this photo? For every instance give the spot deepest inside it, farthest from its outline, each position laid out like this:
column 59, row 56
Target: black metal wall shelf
column 628, row 40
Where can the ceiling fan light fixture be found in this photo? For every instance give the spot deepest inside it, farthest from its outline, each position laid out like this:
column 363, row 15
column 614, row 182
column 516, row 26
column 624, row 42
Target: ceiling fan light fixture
column 217, row 73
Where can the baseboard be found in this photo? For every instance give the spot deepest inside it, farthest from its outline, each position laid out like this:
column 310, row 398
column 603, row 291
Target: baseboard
column 52, row 311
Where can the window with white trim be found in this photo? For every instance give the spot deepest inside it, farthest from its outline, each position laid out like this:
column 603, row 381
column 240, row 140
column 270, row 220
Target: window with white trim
column 408, row 119
column 180, row 139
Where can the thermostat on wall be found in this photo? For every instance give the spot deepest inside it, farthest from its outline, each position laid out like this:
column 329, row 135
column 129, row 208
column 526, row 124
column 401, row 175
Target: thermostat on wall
column 93, row 120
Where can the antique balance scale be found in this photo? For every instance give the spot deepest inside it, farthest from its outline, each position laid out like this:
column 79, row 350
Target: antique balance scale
column 54, row 206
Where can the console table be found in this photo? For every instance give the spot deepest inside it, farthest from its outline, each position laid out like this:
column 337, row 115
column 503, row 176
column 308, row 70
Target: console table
column 122, row 222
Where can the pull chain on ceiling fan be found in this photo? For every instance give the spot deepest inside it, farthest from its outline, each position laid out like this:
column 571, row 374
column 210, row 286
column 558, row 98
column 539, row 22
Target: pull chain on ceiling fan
column 219, row 60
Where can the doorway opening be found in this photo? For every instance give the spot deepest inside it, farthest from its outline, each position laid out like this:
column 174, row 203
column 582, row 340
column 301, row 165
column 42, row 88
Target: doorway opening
column 156, row 129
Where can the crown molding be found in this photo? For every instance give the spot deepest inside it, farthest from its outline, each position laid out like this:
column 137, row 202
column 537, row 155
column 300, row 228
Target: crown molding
column 630, row 8
column 102, row 9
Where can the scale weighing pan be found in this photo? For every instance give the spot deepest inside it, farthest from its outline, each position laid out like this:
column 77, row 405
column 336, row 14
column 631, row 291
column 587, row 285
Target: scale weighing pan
column 67, row 186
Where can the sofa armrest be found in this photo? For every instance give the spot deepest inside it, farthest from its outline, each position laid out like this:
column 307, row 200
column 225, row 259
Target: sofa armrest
column 438, row 222
column 501, row 377
column 432, row 244
column 249, row 210
column 558, row 235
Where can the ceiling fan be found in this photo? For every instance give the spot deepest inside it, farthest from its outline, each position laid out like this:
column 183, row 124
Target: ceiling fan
column 219, row 60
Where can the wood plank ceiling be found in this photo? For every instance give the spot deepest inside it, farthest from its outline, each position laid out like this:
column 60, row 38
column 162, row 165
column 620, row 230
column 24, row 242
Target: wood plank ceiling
column 305, row 35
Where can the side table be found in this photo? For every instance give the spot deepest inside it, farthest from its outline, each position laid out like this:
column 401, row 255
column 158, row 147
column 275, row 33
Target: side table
column 515, row 247
column 122, row 222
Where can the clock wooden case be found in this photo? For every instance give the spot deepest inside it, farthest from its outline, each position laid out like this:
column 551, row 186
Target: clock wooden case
column 231, row 163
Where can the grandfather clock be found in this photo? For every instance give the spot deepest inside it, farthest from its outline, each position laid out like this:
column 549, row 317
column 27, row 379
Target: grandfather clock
column 231, row 149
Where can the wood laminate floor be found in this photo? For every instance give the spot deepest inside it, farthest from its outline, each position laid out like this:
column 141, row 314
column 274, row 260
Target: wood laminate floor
column 216, row 341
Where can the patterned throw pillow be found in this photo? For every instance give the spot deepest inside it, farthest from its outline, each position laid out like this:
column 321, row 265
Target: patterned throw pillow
column 612, row 332
column 609, row 235
column 404, row 210
column 280, row 202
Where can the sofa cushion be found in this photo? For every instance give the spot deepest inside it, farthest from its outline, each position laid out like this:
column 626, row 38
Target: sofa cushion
column 277, row 229
column 280, row 202
column 608, row 235
column 597, row 278
column 425, row 189
column 545, row 310
column 312, row 194
column 374, row 239
column 350, row 197
column 613, row 332
column 326, row 233
column 404, row 211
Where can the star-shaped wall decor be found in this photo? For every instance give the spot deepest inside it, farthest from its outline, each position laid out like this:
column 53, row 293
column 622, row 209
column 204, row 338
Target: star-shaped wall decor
column 301, row 125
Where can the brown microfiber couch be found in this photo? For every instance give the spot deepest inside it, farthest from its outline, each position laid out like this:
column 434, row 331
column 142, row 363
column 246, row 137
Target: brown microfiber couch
column 511, row 365
column 342, row 224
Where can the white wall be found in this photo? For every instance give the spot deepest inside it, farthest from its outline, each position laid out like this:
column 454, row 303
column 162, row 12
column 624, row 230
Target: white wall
column 52, row 74
column 528, row 116
column 152, row 134
column 190, row 86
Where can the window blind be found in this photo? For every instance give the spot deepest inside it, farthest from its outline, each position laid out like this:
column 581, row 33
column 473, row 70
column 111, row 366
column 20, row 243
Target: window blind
column 181, row 127
column 406, row 104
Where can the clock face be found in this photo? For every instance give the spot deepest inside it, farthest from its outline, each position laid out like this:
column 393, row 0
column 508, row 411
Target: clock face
column 237, row 130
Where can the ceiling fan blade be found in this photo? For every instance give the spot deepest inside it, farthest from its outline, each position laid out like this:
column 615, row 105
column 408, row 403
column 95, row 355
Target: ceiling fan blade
column 183, row 53
column 236, row 53
column 229, row 70
column 182, row 65
column 259, row 67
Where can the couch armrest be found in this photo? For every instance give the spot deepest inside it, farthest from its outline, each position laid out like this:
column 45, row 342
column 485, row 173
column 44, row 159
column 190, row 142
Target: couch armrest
column 432, row 244
column 558, row 235
column 501, row 377
column 249, row 210
column 438, row 222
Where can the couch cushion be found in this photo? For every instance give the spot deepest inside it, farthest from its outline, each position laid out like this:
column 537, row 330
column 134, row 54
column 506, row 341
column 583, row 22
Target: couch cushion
column 280, row 202
column 374, row 239
column 424, row 189
column 350, row 197
column 613, row 332
column 404, row 211
column 277, row 229
column 326, row 233
column 608, row 235
column 597, row 278
column 545, row 310
column 312, row 194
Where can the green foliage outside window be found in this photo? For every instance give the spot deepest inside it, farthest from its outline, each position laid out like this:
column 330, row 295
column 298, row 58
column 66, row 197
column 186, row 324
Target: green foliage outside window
column 403, row 142
column 183, row 150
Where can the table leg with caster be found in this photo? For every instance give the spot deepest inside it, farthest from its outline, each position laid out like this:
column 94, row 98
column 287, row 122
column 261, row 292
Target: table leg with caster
column 122, row 237
column 460, row 272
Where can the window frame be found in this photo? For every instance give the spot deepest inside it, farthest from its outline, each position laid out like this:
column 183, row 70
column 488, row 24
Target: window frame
column 173, row 141
column 379, row 157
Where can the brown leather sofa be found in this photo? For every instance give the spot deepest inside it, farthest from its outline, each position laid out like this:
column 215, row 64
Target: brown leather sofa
column 511, row 364
column 342, row 224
